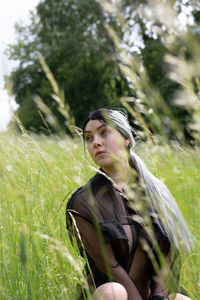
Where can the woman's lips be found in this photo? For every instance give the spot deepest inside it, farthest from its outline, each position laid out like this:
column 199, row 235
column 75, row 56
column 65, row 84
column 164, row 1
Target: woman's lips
column 100, row 153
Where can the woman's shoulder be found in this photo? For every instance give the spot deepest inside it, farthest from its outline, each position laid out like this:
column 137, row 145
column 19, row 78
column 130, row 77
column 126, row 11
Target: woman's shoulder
column 77, row 205
column 83, row 193
column 78, row 195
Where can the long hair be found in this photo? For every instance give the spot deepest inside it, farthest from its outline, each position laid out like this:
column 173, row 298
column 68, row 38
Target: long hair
column 161, row 200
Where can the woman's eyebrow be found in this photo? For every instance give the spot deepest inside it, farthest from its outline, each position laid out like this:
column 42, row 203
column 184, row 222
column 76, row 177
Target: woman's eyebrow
column 87, row 131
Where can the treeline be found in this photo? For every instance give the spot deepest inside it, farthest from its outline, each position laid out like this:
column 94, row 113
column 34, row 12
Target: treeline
column 75, row 39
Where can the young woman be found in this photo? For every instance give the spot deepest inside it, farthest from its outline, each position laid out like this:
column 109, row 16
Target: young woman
column 129, row 223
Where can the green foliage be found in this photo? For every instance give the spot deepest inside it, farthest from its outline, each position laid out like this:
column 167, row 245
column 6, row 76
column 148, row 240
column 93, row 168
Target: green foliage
column 165, row 34
column 38, row 174
column 90, row 49
column 72, row 38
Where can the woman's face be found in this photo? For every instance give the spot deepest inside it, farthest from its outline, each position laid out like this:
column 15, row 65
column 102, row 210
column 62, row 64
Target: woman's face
column 105, row 144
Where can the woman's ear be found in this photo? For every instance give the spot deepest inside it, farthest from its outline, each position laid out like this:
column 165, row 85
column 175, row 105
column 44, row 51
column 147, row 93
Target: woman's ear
column 127, row 142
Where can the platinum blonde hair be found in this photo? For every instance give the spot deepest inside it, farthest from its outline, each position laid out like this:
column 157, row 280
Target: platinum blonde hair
column 161, row 200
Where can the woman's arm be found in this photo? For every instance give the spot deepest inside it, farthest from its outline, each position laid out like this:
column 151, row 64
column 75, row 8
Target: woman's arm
column 159, row 282
column 104, row 258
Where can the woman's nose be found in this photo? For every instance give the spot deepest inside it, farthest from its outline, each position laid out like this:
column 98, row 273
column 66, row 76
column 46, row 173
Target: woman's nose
column 97, row 141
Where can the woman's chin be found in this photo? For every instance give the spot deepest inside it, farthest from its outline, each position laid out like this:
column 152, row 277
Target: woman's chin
column 104, row 163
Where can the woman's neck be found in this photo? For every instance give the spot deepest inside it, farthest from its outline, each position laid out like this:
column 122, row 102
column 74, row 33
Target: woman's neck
column 120, row 174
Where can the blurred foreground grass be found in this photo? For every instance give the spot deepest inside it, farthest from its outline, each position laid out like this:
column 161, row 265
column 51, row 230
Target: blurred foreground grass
column 37, row 176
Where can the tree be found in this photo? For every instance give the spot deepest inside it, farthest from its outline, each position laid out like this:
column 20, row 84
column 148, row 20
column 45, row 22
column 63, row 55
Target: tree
column 71, row 36
column 168, row 32
column 83, row 56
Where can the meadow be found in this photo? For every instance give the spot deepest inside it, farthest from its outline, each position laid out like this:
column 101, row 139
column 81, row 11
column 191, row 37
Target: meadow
column 37, row 176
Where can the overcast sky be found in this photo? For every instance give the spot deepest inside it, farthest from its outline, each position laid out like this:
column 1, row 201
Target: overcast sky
column 11, row 11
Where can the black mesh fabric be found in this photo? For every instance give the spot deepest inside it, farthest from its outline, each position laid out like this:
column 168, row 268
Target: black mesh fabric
column 114, row 240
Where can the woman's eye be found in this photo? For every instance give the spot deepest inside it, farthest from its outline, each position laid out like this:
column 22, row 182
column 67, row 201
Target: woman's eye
column 88, row 138
column 104, row 132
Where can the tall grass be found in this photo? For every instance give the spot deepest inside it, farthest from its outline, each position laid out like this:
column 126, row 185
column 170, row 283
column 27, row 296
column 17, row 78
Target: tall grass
column 38, row 174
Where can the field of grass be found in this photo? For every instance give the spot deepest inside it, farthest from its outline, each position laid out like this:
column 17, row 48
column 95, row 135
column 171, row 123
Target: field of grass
column 37, row 175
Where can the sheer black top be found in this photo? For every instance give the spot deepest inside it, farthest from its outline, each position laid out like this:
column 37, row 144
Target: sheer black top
column 104, row 216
